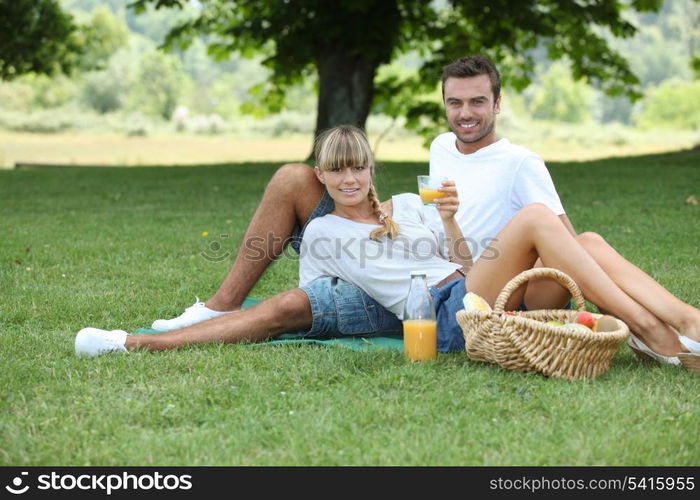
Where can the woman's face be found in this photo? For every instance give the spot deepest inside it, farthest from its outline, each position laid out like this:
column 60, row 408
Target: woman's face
column 347, row 186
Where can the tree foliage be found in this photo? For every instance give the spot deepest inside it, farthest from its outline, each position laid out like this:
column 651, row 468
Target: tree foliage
column 100, row 38
column 357, row 36
column 36, row 36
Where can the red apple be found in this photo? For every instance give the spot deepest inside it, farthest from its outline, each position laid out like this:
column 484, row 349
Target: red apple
column 585, row 318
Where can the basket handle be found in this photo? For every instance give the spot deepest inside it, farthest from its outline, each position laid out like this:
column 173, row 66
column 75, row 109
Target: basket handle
column 539, row 272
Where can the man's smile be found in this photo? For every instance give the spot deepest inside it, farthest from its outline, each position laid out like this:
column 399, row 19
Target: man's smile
column 468, row 125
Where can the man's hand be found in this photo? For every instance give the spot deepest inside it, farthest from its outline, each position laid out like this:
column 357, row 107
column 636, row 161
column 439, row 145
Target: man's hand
column 448, row 204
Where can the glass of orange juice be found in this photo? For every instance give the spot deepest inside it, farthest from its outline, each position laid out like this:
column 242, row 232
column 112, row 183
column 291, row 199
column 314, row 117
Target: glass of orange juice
column 428, row 188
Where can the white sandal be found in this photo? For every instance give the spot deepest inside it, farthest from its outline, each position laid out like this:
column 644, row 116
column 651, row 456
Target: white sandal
column 641, row 350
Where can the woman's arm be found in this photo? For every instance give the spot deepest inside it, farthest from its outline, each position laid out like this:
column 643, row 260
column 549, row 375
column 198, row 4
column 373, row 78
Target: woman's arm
column 447, row 207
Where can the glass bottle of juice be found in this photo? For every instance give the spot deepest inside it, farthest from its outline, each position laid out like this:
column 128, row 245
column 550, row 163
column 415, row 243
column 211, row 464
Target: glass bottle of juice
column 419, row 325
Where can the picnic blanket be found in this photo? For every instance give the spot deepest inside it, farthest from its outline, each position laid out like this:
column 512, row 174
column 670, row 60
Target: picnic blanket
column 392, row 342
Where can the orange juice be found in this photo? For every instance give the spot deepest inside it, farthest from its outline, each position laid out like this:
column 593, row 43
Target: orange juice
column 427, row 195
column 420, row 339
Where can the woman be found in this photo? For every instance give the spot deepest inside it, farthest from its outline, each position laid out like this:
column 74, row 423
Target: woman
column 375, row 246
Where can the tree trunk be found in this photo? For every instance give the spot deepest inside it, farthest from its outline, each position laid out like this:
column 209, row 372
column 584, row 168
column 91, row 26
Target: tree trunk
column 346, row 88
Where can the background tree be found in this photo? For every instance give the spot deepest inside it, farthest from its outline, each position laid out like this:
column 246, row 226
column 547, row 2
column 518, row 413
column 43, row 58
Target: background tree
column 101, row 37
column 346, row 41
column 36, row 36
column 158, row 84
column 105, row 91
column 560, row 98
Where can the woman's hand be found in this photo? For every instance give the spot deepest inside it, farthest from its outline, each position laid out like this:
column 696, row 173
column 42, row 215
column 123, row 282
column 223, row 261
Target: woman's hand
column 448, row 204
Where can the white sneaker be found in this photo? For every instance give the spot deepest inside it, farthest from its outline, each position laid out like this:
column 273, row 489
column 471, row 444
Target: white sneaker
column 92, row 342
column 196, row 313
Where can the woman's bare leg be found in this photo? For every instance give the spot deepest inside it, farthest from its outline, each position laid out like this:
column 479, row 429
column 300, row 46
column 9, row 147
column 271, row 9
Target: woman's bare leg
column 536, row 232
column 642, row 287
column 288, row 311
column 544, row 294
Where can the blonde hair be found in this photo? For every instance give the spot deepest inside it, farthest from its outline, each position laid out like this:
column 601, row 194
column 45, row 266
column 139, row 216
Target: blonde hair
column 347, row 146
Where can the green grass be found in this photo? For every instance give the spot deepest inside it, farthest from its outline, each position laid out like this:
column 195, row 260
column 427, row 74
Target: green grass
column 116, row 248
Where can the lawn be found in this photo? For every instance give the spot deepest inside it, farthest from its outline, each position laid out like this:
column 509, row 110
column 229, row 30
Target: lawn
column 117, row 248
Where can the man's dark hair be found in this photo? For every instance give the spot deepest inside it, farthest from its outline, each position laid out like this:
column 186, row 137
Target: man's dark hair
column 473, row 66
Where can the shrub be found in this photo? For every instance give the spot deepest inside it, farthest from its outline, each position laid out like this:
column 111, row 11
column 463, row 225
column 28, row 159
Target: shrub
column 51, row 92
column 103, row 92
column 560, row 98
column 16, row 95
column 39, row 121
column 158, row 85
column 673, row 104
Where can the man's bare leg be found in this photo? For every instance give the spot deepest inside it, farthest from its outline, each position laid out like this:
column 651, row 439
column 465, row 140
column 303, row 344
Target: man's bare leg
column 289, row 199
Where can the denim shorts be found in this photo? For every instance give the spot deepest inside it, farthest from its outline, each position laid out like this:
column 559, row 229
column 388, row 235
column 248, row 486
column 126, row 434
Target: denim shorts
column 341, row 309
column 447, row 301
column 325, row 206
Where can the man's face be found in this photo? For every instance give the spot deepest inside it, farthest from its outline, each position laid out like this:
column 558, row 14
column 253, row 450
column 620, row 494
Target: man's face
column 471, row 111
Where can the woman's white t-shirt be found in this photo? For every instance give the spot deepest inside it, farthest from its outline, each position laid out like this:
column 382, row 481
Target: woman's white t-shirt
column 338, row 247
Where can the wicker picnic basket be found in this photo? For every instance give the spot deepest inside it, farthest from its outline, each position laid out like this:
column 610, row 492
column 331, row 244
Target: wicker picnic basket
column 524, row 341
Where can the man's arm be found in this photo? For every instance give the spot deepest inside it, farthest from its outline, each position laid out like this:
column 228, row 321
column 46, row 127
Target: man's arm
column 447, row 207
column 456, row 244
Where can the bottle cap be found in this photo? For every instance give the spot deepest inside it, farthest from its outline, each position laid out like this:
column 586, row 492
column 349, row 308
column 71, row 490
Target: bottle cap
column 418, row 273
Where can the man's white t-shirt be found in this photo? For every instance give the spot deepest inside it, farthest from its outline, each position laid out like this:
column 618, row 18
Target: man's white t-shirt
column 337, row 247
column 493, row 184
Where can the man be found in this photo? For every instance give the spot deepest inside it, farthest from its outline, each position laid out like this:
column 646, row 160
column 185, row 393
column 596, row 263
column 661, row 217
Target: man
column 494, row 178
column 471, row 93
